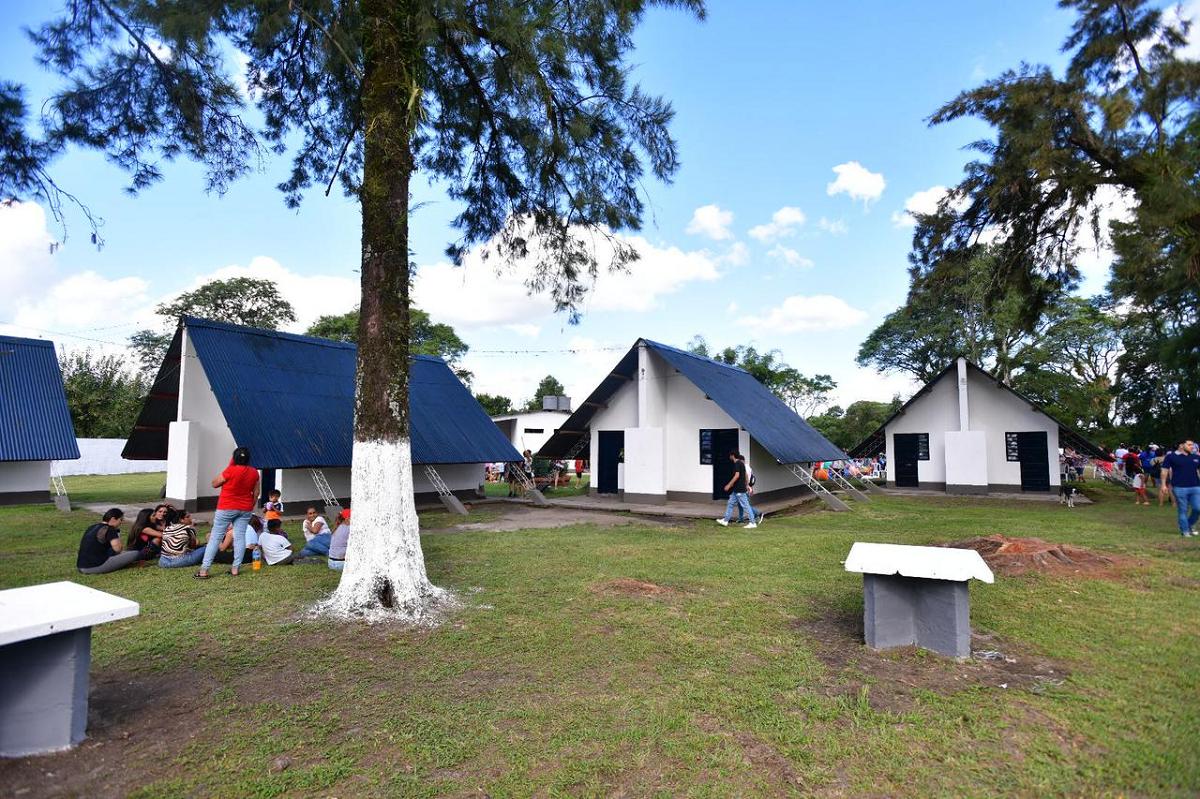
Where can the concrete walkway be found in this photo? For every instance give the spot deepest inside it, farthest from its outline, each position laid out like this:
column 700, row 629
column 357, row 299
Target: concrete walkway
column 1031, row 496
column 679, row 510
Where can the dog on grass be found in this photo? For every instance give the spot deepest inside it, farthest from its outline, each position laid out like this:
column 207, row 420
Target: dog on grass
column 1066, row 495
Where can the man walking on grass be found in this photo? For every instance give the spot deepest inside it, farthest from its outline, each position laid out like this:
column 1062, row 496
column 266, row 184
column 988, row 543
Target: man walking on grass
column 1181, row 473
column 738, row 486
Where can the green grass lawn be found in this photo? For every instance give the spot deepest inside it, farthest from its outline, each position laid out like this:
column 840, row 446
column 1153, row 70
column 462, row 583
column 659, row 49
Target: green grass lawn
column 551, row 682
column 117, row 490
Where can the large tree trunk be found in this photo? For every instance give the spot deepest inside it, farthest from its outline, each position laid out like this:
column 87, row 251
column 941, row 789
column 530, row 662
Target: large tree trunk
column 384, row 573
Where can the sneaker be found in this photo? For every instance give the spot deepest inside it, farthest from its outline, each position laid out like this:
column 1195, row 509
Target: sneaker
column 723, row 522
column 750, row 526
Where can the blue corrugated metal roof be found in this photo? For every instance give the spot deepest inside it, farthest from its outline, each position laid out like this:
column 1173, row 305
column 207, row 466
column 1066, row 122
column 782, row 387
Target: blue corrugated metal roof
column 769, row 421
column 290, row 399
column 35, row 423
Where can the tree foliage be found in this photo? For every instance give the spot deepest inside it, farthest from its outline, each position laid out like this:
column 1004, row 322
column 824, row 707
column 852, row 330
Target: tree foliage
column 1120, row 125
column 427, row 337
column 238, row 301
column 103, row 395
column 524, row 111
column 804, row 394
column 848, row 426
column 495, row 404
column 548, row 387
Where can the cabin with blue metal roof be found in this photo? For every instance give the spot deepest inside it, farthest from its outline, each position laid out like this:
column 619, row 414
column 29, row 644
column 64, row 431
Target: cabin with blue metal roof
column 35, row 423
column 290, row 400
column 661, row 425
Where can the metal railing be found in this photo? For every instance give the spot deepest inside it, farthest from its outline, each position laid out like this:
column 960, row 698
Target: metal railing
column 815, row 485
column 323, row 488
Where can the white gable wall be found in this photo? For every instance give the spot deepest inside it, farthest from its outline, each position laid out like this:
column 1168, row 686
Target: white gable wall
column 992, row 412
column 515, row 426
column 665, row 414
column 996, row 412
column 934, row 413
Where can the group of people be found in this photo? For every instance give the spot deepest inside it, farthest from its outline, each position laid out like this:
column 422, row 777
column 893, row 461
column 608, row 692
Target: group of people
column 238, row 533
column 740, row 488
column 1176, row 473
column 511, row 473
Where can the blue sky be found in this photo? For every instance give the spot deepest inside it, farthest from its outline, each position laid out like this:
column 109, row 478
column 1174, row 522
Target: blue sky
column 771, row 97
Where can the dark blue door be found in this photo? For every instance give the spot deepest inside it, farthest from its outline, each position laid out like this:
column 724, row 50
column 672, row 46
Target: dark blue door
column 610, row 446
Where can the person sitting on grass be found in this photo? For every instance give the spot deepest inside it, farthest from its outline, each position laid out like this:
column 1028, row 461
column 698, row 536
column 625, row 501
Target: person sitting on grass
column 314, row 523
column 339, row 542
column 180, row 547
column 273, row 508
column 145, row 534
column 276, row 548
column 101, row 550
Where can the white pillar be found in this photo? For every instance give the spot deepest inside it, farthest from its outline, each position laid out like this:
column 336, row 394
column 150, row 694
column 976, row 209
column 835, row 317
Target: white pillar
column 964, row 415
column 643, row 384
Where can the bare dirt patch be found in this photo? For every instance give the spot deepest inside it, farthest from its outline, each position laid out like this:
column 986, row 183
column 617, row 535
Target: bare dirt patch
column 627, row 586
column 129, row 722
column 520, row 517
column 1017, row 556
column 895, row 678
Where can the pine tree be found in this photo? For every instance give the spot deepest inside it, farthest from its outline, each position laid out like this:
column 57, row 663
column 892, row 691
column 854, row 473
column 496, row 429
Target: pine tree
column 523, row 108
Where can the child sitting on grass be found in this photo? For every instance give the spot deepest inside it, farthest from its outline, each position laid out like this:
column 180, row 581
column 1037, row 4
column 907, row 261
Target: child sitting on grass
column 276, row 548
column 273, row 508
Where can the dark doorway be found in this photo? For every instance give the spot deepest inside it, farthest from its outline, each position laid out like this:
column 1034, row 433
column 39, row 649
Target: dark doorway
column 723, row 443
column 905, row 450
column 268, row 485
column 610, row 447
column 1033, row 450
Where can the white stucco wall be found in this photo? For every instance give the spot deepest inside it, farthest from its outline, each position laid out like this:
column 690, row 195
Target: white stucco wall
column 996, row 412
column 668, row 404
column 24, row 476
column 103, row 456
column 209, row 434
column 515, row 426
column 934, row 413
column 298, row 488
column 993, row 411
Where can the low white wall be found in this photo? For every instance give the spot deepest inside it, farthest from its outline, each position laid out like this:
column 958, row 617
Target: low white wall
column 103, row 456
column 297, row 487
column 19, row 477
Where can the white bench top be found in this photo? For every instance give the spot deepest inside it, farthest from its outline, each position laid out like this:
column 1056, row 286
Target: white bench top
column 40, row 610
column 931, row 563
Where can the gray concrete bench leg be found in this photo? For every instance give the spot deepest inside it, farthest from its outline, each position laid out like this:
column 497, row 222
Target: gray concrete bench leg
column 932, row 614
column 44, row 698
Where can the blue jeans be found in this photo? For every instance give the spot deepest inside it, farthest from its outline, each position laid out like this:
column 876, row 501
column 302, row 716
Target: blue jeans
column 742, row 501
column 187, row 559
column 317, row 545
column 222, row 519
column 753, row 510
column 1186, row 498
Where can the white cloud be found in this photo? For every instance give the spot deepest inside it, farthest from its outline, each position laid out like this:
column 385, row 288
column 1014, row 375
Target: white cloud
column 857, row 181
column 711, row 221
column 783, row 224
column 732, row 309
column 475, row 295
column 86, row 300
column 801, row 313
column 737, row 255
column 834, row 227
column 860, row 383
column 790, row 257
column 26, row 265
column 526, row 330
column 922, row 202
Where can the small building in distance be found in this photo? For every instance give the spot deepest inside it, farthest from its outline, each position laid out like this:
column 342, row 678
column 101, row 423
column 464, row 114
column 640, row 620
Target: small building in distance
column 965, row 432
column 35, row 422
column 290, row 400
column 529, row 430
column 661, row 425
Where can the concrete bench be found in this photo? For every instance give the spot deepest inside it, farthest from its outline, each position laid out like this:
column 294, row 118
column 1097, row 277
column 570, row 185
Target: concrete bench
column 917, row 595
column 45, row 652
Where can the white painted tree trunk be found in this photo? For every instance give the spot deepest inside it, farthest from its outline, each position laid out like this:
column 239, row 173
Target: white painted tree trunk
column 384, row 574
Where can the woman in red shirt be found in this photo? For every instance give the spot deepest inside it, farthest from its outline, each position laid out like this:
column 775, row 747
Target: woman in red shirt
column 235, row 505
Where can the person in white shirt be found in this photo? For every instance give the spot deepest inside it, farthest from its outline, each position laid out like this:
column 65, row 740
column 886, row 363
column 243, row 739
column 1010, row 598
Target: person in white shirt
column 314, row 524
column 276, row 548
